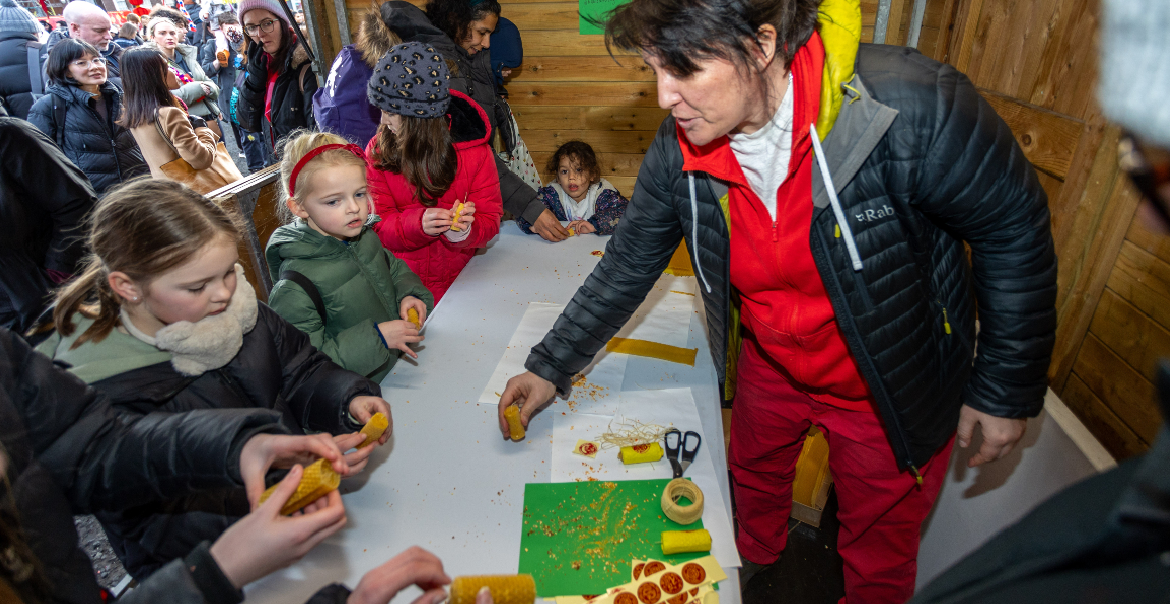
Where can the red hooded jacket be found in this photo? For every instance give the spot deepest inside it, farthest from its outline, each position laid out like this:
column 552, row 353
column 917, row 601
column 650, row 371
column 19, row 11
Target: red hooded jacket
column 436, row 260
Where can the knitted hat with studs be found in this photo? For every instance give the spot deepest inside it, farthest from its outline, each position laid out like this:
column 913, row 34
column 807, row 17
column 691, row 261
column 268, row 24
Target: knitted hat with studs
column 411, row 79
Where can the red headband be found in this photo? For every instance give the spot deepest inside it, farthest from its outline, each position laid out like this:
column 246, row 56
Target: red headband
column 296, row 171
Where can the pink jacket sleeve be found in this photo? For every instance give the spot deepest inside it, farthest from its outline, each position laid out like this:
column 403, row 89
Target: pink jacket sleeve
column 484, row 192
column 400, row 229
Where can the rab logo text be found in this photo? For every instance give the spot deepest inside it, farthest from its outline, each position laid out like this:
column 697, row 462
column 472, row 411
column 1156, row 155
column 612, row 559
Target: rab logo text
column 872, row 215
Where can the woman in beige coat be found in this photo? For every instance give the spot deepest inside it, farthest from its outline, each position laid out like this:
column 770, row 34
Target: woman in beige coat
column 147, row 95
column 201, row 92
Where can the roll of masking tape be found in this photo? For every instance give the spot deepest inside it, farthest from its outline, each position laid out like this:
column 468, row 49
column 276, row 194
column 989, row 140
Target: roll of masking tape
column 682, row 542
column 640, row 453
column 676, row 489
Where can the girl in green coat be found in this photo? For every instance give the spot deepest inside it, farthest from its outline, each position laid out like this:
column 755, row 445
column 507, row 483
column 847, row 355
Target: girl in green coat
column 333, row 279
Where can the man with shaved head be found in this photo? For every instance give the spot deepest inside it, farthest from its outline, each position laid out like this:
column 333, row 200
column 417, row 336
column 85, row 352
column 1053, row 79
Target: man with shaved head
column 90, row 23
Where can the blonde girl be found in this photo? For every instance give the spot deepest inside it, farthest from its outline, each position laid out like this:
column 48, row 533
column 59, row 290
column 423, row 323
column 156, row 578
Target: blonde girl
column 161, row 319
column 334, row 280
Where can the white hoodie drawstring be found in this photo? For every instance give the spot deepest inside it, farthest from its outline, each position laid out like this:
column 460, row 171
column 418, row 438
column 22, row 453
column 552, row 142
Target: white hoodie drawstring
column 846, row 232
column 695, row 229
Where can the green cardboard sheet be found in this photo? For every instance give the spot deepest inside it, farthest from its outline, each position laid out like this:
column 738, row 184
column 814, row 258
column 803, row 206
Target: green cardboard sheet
column 579, row 537
column 595, row 10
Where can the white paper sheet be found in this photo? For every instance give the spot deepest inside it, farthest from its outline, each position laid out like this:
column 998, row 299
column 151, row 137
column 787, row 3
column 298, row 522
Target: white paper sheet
column 603, row 377
column 663, row 407
column 665, row 315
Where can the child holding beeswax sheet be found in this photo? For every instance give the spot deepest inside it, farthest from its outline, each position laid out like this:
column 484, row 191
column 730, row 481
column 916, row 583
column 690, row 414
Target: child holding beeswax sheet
column 327, row 258
column 579, row 194
column 430, row 155
column 173, row 326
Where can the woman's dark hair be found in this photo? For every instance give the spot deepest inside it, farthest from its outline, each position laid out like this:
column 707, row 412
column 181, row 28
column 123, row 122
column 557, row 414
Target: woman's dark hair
column 580, row 154
column 226, row 17
column 161, row 11
column 145, row 86
column 454, row 17
column 423, row 153
column 679, row 33
column 65, row 52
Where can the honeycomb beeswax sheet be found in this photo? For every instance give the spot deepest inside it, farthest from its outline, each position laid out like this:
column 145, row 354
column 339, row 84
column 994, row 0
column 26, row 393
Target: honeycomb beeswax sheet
column 579, row 537
column 596, row 387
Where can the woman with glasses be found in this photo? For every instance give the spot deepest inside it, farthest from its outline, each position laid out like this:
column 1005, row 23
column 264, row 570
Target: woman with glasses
column 277, row 95
column 196, row 90
column 80, row 113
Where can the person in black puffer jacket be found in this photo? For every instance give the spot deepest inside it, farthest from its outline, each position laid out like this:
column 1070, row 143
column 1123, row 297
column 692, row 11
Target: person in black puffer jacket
column 80, row 114
column 64, row 450
column 275, row 55
column 18, row 34
column 43, row 200
column 848, row 273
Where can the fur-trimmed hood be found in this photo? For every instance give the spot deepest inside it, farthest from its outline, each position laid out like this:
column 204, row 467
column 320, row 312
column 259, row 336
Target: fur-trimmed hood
column 374, row 38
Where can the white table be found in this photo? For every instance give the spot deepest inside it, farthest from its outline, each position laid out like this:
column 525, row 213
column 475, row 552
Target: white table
column 448, row 481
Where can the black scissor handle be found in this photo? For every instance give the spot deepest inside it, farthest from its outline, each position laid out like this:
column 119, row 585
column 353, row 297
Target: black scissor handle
column 688, row 453
column 672, row 451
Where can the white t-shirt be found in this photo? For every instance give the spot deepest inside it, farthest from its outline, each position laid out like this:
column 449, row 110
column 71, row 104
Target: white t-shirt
column 764, row 154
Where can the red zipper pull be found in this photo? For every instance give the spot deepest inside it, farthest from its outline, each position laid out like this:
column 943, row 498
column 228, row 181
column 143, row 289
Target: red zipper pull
column 775, row 231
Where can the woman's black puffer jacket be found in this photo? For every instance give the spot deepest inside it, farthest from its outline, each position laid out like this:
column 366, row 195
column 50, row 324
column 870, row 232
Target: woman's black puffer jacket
column 103, row 149
column 921, row 164
column 15, row 85
column 276, row 368
column 292, row 96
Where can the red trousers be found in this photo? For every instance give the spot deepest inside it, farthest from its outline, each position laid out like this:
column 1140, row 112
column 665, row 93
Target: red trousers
column 881, row 508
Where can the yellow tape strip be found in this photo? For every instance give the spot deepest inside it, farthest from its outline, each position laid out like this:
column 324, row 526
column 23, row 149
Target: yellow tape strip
column 654, row 350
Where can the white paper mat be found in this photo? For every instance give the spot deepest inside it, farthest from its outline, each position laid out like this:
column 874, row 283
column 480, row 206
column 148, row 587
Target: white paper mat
column 603, row 377
column 663, row 407
column 665, row 315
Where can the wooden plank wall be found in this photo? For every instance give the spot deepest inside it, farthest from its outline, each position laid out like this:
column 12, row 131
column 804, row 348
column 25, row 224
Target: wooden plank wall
column 569, row 87
column 1035, row 62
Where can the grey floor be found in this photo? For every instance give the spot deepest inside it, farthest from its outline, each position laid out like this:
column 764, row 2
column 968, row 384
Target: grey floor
column 809, row 570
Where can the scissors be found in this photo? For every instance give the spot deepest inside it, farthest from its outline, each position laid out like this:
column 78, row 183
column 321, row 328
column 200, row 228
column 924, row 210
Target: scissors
column 680, row 455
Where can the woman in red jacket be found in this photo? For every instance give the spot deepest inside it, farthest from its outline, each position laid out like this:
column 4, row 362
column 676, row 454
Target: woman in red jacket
column 432, row 177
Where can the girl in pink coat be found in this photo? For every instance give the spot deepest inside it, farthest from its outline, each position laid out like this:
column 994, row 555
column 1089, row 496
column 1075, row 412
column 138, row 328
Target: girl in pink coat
column 432, row 176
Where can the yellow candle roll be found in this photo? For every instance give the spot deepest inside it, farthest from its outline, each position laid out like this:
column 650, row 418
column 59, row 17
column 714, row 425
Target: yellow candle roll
column 318, row 480
column 412, row 316
column 640, row 453
column 455, row 218
column 506, row 589
column 512, row 414
column 681, row 542
column 374, row 428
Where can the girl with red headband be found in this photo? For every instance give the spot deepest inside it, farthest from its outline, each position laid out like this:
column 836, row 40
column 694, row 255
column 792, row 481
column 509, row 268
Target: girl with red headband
column 334, row 280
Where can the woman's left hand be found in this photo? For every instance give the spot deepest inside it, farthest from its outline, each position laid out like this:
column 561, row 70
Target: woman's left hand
column 419, row 306
column 362, row 408
column 582, row 227
column 355, row 460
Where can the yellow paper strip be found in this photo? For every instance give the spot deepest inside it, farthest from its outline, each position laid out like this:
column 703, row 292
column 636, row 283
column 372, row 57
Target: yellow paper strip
column 654, row 350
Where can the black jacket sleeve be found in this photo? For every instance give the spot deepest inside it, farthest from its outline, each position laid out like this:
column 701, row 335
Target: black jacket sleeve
column 634, row 259
column 307, row 98
column 317, row 390
column 39, row 173
column 250, row 107
column 520, row 199
column 104, row 462
column 976, row 183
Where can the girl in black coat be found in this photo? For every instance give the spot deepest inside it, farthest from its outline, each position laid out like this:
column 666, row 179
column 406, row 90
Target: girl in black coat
column 80, row 113
column 277, row 96
column 177, row 328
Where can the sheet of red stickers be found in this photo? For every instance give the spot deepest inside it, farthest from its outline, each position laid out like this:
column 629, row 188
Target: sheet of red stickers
column 656, row 582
